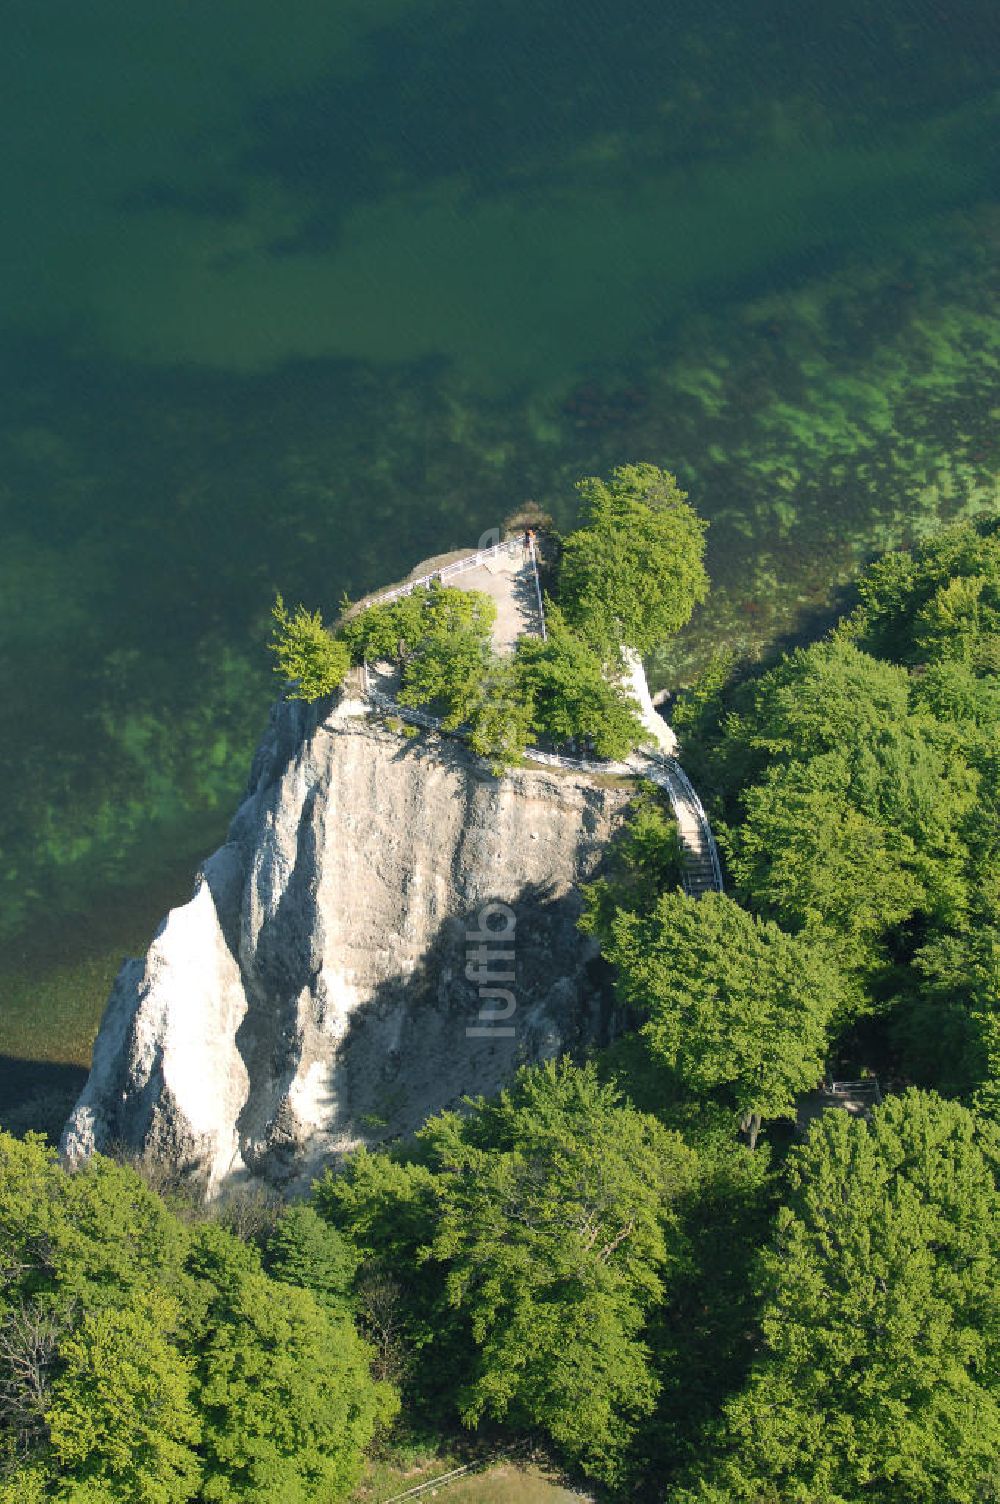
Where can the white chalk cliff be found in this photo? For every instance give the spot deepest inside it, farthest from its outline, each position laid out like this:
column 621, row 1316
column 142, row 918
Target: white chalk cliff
column 313, row 993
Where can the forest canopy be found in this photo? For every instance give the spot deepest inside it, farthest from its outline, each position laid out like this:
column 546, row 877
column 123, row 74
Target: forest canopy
column 660, row 1260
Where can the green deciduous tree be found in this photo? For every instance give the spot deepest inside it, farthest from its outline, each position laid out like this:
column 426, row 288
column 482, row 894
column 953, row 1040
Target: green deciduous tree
column 825, row 698
column 144, row 1360
column 386, row 631
column 572, row 697
column 878, row 1376
column 389, row 1205
column 632, row 575
column 948, row 1028
column 306, row 655
column 941, row 601
column 557, row 1228
column 811, row 857
column 446, row 664
column 84, row 1237
column 955, row 693
column 859, row 840
column 305, row 1250
column 25, row 1485
column 737, row 1008
column 512, row 1256
column 644, row 861
column 445, row 673
column 392, row 630
column 122, row 1424
column 500, row 716
column 281, row 1381
column 445, row 644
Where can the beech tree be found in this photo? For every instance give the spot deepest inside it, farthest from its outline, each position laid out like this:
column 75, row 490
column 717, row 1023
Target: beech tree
column 280, row 1380
column 500, row 715
column 634, row 572
column 644, row 861
column 393, row 629
column 146, row 1361
column 859, row 840
column 823, row 698
column 557, row 1229
column 738, row 1009
column 881, row 1322
column 458, row 676
column 940, row 601
column 530, row 1238
column 444, row 666
column 122, row 1423
column 305, row 1250
column 306, row 655
column 389, row 1205
column 571, row 696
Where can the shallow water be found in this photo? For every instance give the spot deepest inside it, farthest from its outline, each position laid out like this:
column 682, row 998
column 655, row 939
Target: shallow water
column 293, row 304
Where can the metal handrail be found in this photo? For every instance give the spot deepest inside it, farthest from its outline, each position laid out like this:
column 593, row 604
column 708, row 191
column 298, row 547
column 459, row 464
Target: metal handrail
column 579, row 764
column 538, row 586
column 670, row 773
column 471, row 561
column 404, row 712
column 430, row 1484
column 703, row 820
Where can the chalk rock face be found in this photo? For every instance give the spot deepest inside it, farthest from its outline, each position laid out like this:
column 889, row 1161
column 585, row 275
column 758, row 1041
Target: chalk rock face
column 339, row 972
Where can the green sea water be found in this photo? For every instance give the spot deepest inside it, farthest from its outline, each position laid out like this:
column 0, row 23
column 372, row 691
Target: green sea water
column 292, row 297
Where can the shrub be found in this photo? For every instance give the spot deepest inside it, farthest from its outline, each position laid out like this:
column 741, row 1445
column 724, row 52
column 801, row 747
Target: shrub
column 306, row 655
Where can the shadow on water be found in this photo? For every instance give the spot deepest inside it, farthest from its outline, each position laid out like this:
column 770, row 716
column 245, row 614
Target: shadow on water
column 515, row 96
column 37, row 1095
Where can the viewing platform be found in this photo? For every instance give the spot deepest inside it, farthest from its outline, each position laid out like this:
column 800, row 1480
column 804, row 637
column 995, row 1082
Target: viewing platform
column 507, row 572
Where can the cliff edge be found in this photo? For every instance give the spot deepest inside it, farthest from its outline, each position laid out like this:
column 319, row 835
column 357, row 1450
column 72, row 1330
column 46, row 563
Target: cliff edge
column 338, row 973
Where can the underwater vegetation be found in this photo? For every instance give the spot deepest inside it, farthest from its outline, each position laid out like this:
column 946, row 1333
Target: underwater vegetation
column 812, row 427
column 750, row 248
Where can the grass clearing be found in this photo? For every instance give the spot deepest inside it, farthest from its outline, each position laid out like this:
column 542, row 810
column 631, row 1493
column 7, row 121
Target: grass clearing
column 501, row 1483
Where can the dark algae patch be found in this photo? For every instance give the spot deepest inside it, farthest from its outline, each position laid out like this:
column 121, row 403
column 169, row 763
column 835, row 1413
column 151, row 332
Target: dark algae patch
column 293, row 307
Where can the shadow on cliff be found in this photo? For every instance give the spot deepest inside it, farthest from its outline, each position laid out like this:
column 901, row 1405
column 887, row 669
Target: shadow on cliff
column 426, row 1036
column 488, row 982
column 501, row 984
column 287, row 961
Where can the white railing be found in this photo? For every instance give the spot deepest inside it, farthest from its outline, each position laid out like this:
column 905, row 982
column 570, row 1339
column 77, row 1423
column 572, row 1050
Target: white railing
column 404, row 712
column 538, row 586
column 431, row 1485
column 579, row 764
column 471, row 561
column 664, row 771
column 691, row 797
column 868, row 1086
